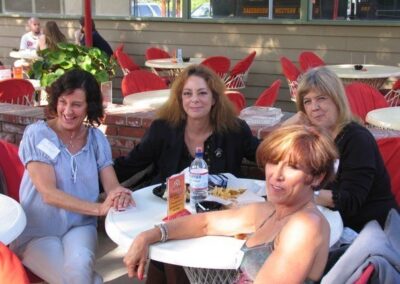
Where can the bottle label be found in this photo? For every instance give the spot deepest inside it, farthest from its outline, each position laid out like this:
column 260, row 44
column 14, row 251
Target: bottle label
column 199, row 179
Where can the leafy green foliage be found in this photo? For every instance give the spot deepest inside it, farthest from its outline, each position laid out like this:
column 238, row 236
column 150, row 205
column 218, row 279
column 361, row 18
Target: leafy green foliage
column 55, row 63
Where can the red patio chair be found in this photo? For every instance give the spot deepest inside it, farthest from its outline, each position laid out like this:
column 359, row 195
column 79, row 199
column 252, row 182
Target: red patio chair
column 238, row 75
column 220, row 65
column 390, row 151
column 126, row 63
column 269, row 95
column 309, row 59
column 12, row 170
column 292, row 74
column 141, row 81
column 156, row 53
column 16, row 91
column 238, row 100
column 364, row 98
column 393, row 96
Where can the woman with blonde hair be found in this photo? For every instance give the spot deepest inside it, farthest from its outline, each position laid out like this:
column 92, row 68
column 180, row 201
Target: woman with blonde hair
column 51, row 36
column 278, row 249
column 361, row 191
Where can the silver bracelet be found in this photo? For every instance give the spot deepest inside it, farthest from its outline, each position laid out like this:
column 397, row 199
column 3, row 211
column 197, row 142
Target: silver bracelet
column 163, row 231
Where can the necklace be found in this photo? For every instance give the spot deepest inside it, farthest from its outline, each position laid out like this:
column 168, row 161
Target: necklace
column 290, row 213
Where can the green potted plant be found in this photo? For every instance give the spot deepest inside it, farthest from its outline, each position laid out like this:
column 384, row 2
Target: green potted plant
column 54, row 63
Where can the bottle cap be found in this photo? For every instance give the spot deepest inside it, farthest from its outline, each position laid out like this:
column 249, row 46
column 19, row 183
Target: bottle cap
column 199, row 151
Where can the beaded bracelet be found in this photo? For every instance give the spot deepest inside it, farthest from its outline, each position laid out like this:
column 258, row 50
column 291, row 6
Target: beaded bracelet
column 163, row 231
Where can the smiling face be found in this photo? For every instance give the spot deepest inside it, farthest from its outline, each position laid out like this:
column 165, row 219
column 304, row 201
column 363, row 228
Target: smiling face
column 72, row 110
column 288, row 184
column 321, row 110
column 197, row 98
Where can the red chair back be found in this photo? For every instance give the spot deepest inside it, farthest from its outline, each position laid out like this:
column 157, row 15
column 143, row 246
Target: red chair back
column 390, row 151
column 219, row 64
column 11, row 167
column 309, row 59
column 269, row 95
column 290, row 70
column 238, row 100
column 291, row 73
column 156, row 53
column 141, row 81
column 364, row 98
column 16, row 91
column 238, row 74
column 125, row 61
column 243, row 65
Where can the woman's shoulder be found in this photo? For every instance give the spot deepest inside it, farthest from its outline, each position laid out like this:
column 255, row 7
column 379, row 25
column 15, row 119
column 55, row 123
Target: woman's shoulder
column 38, row 128
column 355, row 132
column 308, row 221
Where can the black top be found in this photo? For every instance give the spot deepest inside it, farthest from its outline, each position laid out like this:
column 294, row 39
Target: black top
column 164, row 147
column 99, row 42
column 361, row 190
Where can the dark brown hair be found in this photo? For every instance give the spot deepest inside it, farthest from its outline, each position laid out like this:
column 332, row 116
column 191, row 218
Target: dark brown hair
column 78, row 79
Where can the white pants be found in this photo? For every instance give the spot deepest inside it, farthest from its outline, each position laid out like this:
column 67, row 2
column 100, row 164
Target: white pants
column 66, row 260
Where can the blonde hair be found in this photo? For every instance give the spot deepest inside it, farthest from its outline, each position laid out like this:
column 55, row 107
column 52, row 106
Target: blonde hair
column 222, row 114
column 324, row 81
column 306, row 147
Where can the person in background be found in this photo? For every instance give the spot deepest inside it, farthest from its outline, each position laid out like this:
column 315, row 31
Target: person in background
column 197, row 113
column 51, row 36
column 98, row 40
column 361, row 191
column 297, row 160
column 65, row 157
column 30, row 40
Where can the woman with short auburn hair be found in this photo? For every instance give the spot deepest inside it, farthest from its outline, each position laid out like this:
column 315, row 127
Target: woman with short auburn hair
column 278, row 247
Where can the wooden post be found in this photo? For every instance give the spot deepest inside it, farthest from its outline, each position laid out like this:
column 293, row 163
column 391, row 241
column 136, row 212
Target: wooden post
column 88, row 24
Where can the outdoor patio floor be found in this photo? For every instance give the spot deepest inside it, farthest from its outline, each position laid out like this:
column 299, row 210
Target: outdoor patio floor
column 109, row 262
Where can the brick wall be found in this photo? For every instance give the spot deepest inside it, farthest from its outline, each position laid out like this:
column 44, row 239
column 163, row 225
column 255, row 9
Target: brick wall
column 123, row 126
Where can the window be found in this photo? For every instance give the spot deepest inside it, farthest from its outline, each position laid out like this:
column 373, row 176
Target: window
column 356, row 9
column 262, row 10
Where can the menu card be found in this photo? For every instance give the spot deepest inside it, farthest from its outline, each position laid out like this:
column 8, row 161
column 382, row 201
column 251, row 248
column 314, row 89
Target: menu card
column 176, row 196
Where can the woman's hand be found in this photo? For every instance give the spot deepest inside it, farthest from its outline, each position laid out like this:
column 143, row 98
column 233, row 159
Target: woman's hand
column 136, row 258
column 299, row 118
column 119, row 198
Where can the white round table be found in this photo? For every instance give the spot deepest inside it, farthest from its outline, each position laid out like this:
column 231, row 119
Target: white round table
column 171, row 63
column 388, row 118
column 374, row 75
column 148, row 99
column 12, row 219
column 214, row 252
column 28, row 54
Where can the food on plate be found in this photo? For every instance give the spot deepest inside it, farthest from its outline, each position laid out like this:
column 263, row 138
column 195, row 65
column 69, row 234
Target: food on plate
column 227, row 193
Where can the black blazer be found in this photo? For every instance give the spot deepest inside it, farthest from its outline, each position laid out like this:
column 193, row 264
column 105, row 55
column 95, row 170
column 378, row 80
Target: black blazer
column 162, row 147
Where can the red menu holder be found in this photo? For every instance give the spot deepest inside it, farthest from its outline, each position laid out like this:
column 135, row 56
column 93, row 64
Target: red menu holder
column 176, row 197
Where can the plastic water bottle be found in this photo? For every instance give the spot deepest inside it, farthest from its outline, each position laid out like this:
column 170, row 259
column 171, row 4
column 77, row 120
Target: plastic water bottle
column 179, row 55
column 198, row 172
